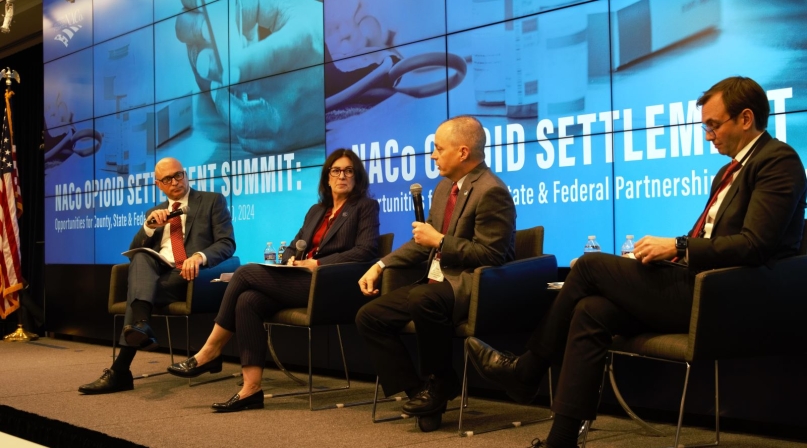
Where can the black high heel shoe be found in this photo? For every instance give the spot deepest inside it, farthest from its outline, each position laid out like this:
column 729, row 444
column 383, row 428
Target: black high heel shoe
column 236, row 403
column 189, row 369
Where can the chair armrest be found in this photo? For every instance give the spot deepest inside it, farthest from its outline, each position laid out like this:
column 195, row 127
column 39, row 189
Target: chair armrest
column 748, row 312
column 335, row 296
column 204, row 296
column 118, row 284
column 510, row 298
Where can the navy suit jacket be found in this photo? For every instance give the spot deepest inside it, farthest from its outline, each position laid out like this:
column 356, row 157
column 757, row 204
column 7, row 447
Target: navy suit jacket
column 353, row 236
column 208, row 228
column 761, row 218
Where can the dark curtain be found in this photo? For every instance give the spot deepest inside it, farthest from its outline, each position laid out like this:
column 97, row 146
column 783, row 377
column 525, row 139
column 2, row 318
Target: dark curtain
column 28, row 117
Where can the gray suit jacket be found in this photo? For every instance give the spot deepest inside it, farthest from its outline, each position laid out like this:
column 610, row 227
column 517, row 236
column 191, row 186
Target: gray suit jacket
column 481, row 233
column 353, row 236
column 208, row 228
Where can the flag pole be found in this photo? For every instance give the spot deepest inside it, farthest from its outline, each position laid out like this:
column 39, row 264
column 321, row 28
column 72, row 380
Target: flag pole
column 20, row 335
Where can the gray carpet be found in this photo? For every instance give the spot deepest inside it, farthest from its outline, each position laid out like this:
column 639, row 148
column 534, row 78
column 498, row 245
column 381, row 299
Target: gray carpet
column 42, row 377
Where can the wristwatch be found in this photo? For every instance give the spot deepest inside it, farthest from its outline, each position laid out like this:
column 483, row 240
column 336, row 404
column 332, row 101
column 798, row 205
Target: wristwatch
column 681, row 244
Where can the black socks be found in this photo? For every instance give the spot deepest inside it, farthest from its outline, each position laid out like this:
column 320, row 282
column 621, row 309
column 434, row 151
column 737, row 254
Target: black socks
column 530, row 369
column 141, row 310
column 124, row 359
column 564, row 432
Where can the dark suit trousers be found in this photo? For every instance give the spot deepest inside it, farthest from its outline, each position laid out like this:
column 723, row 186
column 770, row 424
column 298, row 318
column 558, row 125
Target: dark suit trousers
column 255, row 293
column 603, row 296
column 152, row 282
column 380, row 322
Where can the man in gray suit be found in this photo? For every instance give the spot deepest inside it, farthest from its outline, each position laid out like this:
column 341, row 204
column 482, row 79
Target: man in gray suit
column 204, row 234
column 477, row 217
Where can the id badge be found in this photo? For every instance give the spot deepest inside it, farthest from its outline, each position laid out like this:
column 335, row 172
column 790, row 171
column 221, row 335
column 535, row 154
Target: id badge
column 435, row 273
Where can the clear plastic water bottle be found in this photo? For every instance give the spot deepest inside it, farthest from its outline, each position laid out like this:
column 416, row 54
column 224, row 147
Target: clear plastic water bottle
column 281, row 251
column 269, row 254
column 627, row 246
column 591, row 245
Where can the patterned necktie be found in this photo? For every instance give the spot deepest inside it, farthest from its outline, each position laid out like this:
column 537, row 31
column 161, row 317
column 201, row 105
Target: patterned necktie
column 452, row 201
column 177, row 239
column 725, row 181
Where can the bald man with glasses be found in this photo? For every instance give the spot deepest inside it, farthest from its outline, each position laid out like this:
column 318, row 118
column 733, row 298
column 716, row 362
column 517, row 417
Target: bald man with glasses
column 201, row 236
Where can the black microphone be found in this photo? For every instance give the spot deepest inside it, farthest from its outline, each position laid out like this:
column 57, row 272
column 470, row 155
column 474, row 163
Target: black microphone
column 180, row 211
column 417, row 201
column 300, row 245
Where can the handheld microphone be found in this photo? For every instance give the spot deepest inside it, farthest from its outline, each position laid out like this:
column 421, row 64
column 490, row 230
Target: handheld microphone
column 417, row 201
column 300, row 245
column 180, row 211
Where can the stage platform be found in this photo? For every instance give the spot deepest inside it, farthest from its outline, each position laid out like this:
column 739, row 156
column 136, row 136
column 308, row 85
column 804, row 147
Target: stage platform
column 39, row 385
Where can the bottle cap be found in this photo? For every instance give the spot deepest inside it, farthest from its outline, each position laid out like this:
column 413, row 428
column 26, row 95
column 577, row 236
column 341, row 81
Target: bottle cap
column 591, row 237
column 630, row 237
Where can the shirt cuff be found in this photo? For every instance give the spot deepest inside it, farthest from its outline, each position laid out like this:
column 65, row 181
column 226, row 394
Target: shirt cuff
column 381, row 264
column 149, row 231
column 204, row 258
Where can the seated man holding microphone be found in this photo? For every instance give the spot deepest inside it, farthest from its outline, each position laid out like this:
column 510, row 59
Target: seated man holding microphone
column 477, row 218
column 192, row 229
column 754, row 217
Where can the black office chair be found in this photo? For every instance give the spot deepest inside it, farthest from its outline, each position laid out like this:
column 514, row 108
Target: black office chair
column 738, row 312
column 334, row 299
column 201, row 296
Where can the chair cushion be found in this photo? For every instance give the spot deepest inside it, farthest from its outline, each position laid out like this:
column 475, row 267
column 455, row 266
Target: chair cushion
column 291, row 316
column 665, row 346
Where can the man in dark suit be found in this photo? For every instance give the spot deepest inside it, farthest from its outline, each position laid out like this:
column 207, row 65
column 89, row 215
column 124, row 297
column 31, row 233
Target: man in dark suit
column 205, row 238
column 477, row 217
column 754, row 217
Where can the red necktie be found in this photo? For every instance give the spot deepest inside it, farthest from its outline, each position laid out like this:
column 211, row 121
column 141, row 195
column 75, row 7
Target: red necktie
column 177, row 239
column 725, row 181
column 452, row 201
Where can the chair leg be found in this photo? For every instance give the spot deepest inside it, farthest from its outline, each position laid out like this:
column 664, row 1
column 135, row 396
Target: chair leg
column 114, row 337
column 376, row 401
column 717, row 408
column 310, row 382
column 653, row 431
column 170, row 344
column 277, row 360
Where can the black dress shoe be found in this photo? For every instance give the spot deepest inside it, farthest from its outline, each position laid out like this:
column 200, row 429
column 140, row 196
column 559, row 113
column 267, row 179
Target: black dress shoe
column 500, row 368
column 140, row 336
column 111, row 381
column 433, row 399
column 235, row 403
column 190, row 369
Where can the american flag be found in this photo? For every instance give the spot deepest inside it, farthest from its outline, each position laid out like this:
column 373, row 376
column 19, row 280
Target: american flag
column 10, row 208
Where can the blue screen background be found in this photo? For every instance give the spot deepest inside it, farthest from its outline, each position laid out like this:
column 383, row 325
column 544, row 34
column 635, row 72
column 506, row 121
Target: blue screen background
column 589, row 107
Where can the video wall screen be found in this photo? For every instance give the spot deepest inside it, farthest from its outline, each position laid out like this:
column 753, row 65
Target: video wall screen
column 589, row 107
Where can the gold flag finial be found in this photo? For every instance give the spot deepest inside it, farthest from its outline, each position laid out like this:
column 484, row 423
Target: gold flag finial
column 10, row 74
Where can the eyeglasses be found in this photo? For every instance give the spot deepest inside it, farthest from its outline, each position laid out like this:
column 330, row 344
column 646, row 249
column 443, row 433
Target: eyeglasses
column 337, row 172
column 168, row 180
column 711, row 129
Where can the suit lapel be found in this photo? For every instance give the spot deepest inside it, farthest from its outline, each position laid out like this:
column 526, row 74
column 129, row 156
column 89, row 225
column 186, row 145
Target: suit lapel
column 194, row 205
column 308, row 233
column 344, row 214
column 735, row 185
column 463, row 195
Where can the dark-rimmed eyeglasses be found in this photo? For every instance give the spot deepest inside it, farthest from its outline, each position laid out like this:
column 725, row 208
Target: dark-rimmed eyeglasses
column 337, row 172
column 168, row 180
column 711, row 129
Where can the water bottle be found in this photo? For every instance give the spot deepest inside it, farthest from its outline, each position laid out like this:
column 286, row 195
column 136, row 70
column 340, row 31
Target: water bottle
column 627, row 246
column 281, row 251
column 269, row 254
column 591, row 245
